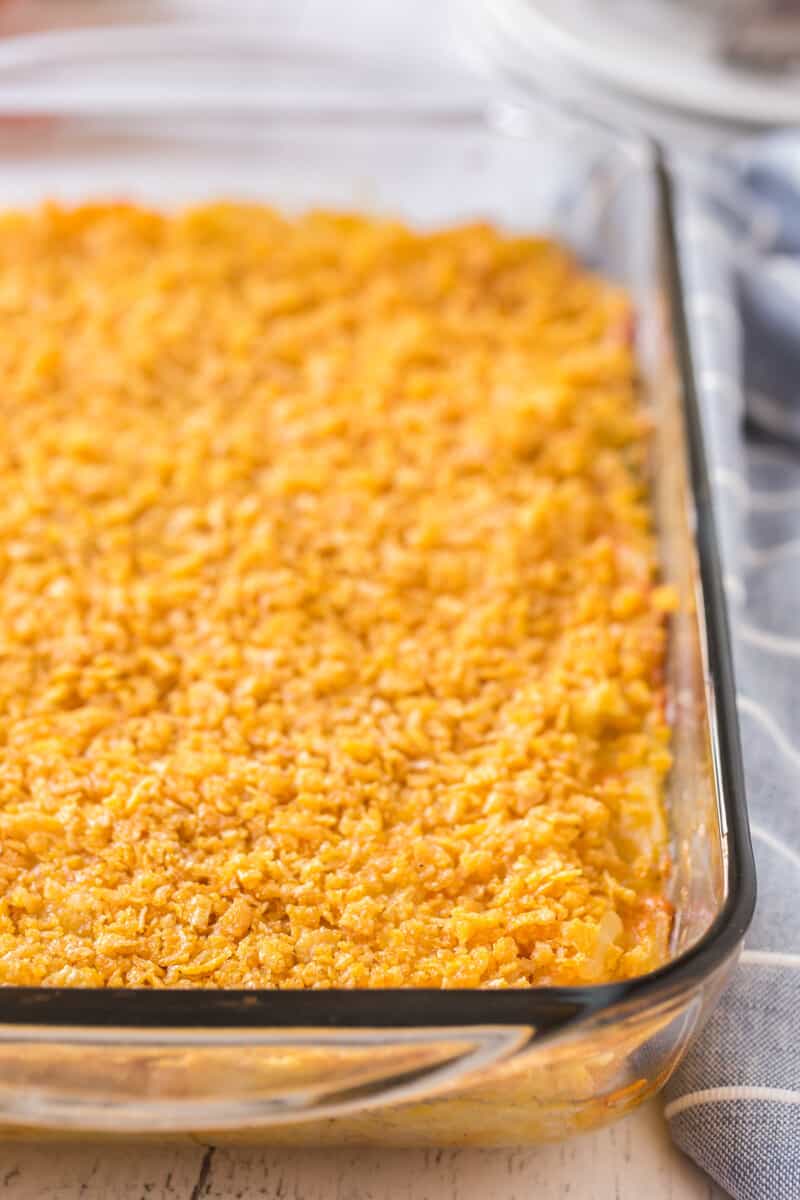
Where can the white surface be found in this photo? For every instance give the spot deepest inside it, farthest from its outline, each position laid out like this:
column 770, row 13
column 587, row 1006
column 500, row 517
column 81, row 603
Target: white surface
column 632, row 1160
column 662, row 53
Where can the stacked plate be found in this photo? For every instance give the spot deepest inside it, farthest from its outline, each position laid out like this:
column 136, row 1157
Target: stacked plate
column 667, row 64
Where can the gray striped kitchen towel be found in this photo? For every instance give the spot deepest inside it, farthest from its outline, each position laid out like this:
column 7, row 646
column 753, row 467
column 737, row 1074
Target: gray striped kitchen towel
column 734, row 1104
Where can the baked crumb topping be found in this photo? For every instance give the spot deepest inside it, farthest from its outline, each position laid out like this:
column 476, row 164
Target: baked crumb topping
column 331, row 643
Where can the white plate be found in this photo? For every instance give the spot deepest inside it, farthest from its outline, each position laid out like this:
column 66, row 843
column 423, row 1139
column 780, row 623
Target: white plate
column 661, row 51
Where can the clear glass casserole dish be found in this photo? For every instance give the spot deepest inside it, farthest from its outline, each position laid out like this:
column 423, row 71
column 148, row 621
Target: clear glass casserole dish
column 395, row 1066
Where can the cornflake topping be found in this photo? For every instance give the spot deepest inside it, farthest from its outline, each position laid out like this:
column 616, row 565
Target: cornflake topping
column 332, row 643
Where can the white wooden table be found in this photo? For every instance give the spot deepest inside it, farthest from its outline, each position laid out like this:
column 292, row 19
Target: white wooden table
column 632, row 1160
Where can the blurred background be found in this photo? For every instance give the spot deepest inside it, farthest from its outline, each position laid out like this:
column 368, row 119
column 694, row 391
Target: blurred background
column 681, row 69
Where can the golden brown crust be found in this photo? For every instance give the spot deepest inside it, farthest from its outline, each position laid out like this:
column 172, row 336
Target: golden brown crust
column 332, row 654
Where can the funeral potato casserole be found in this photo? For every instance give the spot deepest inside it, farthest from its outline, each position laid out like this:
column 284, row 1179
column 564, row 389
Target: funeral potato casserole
column 331, row 630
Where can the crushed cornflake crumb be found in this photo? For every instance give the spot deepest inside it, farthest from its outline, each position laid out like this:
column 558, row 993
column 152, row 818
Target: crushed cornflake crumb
column 332, row 637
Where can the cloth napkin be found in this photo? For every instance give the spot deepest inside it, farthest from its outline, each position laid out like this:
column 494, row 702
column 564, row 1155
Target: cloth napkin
column 734, row 1104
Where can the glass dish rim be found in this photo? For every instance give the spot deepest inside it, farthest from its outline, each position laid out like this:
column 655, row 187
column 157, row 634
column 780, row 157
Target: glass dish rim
column 547, row 1009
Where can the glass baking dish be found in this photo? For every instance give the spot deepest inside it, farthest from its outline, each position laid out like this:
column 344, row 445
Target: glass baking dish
column 297, row 129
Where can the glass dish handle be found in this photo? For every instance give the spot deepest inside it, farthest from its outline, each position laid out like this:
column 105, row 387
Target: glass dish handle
column 127, row 1082
column 209, row 70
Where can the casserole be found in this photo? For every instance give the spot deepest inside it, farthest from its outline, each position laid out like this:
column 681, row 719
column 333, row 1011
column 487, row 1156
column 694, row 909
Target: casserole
column 334, row 655
column 408, row 1066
